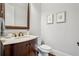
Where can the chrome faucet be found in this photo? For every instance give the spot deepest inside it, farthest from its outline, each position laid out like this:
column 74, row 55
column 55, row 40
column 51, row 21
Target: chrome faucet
column 20, row 34
column 14, row 35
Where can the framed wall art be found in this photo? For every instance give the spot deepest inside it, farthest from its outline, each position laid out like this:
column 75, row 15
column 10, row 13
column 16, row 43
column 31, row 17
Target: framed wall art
column 50, row 19
column 61, row 17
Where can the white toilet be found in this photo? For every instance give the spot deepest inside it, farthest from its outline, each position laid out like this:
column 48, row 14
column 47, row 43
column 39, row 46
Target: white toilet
column 44, row 50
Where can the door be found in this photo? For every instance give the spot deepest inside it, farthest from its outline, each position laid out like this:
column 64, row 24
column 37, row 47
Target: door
column 8, row 50
column 21, row 49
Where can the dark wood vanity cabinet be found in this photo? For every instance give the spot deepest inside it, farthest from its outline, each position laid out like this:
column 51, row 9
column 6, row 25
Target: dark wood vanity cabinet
column 21, row 49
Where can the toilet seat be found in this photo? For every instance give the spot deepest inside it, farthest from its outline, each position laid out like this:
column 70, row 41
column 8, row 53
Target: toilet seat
column 45, row 47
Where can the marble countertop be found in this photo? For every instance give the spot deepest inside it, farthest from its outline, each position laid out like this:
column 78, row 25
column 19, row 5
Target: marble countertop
column 14, row 40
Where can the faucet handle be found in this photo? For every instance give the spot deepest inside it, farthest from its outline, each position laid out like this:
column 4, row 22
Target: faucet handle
column 14, row 35
column 20, row 34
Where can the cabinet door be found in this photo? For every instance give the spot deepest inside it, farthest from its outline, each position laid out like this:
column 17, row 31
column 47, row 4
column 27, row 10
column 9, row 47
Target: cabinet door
column 25, row 49
column 21, row 49
column 8, row 50
column 32, row 47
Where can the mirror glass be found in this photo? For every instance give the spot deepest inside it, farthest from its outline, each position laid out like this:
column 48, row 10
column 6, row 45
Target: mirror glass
column 16, row 15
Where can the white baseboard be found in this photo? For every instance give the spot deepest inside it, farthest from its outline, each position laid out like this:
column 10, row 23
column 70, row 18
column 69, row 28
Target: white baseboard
column 58, row 53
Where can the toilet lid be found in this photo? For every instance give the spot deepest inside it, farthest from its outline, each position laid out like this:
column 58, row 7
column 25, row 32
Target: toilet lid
column 45, row 47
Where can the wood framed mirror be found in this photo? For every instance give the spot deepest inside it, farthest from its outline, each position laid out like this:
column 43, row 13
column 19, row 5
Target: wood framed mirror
column 17, row 15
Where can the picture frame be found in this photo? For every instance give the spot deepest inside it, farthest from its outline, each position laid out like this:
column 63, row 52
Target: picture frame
column 61, row 17
column 50, row 19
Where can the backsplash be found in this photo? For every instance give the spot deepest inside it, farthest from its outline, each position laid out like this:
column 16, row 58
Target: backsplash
column 7, row 31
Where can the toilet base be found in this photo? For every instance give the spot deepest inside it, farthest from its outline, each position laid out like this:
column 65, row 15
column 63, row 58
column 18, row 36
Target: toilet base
column 43, row 54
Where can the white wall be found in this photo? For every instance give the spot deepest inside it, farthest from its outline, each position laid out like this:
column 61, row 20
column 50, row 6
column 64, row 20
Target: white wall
column 35, row 19
column 63, row 36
